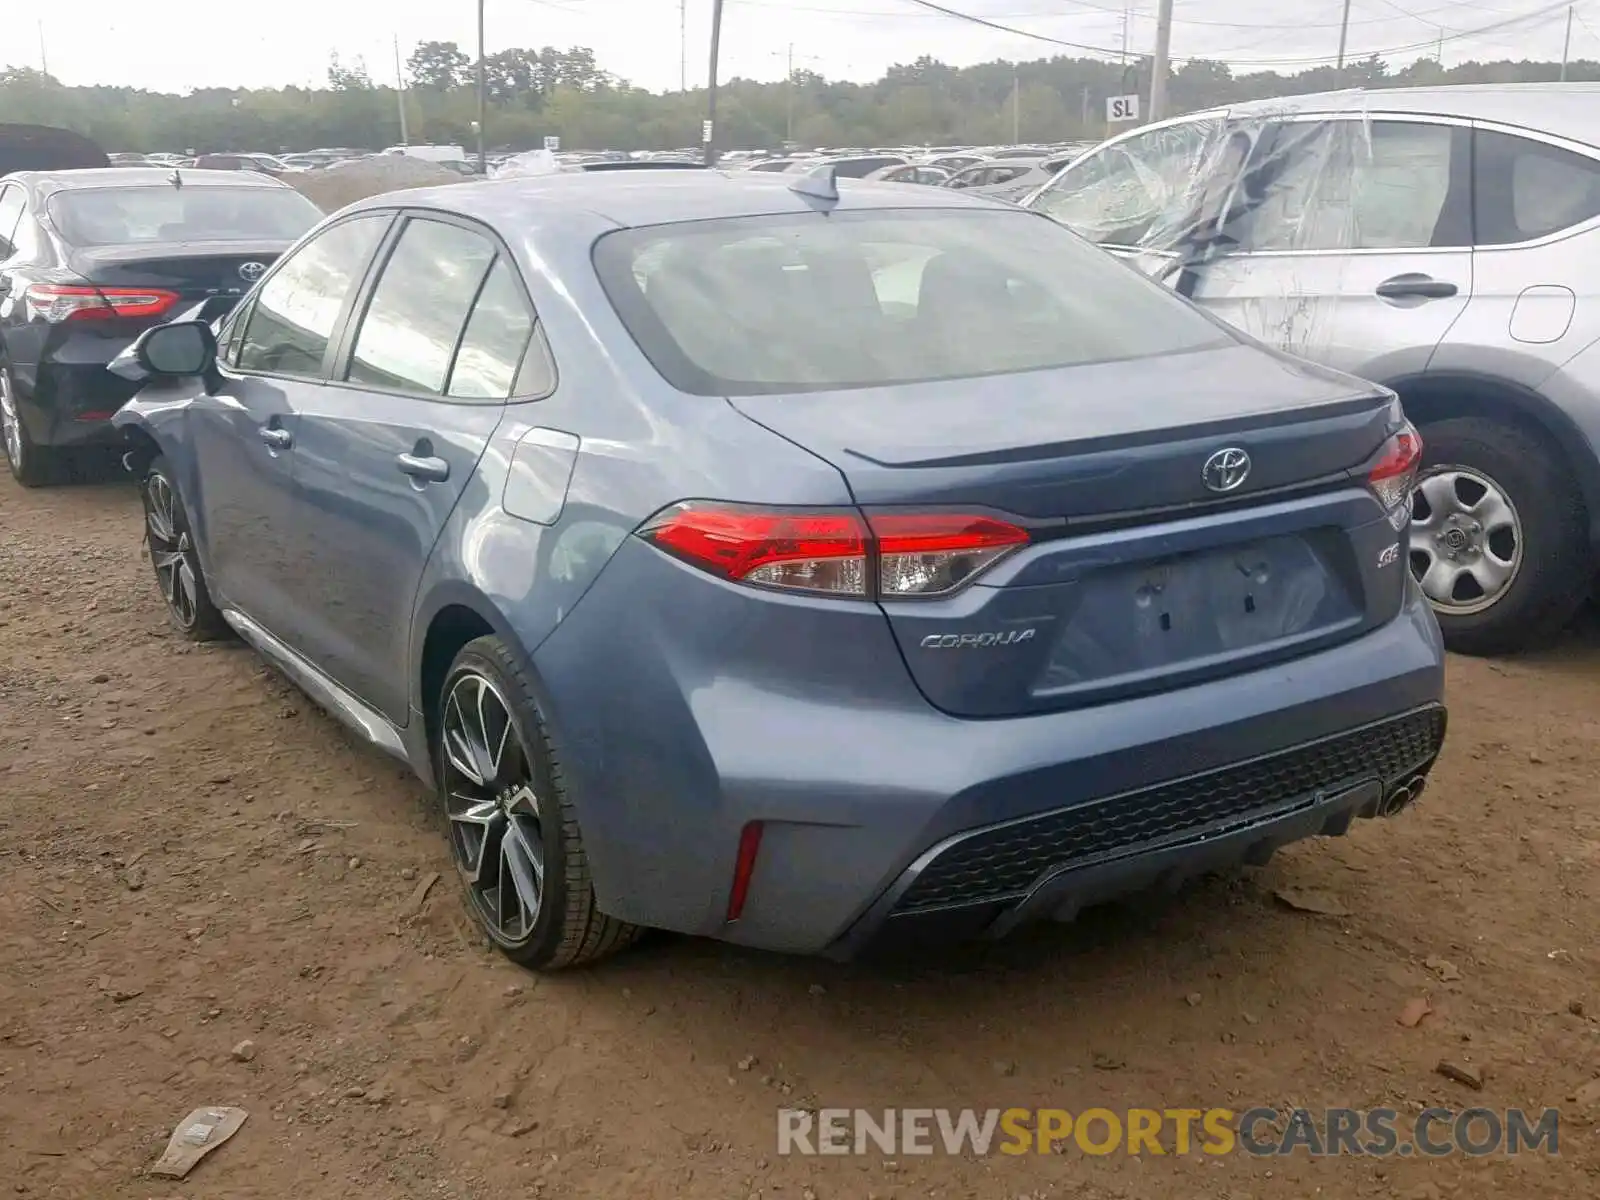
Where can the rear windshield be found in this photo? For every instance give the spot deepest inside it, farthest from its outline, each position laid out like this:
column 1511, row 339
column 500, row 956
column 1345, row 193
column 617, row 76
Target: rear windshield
column 811, row 302
column 120, row 216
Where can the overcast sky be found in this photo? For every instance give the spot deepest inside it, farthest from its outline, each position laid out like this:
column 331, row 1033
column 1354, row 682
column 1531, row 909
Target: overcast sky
column 171, row 48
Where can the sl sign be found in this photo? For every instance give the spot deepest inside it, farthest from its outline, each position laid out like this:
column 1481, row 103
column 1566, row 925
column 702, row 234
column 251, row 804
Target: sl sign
column 1122, row 108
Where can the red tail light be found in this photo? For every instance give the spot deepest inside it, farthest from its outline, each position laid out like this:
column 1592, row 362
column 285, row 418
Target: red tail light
column 55, row 303
column 885, row 555
column 1395, row 474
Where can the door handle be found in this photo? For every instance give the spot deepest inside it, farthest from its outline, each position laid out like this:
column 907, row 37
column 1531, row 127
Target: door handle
column 1416, row 287
column 278, row 439
column 428, row 469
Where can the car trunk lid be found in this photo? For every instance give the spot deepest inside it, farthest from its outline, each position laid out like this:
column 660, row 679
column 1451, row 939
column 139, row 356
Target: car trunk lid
column 216, row 274
column 1148, row 565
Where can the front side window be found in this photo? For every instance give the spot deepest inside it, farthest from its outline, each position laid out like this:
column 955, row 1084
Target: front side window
column 808, row 302
column 1523, row 189
column 971, row 177
column 408, row 336
column 1129, row 190
column 1357, row 185
column 297, row 309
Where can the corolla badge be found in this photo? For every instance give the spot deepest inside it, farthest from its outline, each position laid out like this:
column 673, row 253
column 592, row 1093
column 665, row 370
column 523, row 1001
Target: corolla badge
column 969, row 641
column 252, row 271
column 1226, row 469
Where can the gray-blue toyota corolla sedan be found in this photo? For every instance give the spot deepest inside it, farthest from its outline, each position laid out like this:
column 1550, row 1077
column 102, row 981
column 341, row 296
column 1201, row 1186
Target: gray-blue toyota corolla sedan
column 804, row 564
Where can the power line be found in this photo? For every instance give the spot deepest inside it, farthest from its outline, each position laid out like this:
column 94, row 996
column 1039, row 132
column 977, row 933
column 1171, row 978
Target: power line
column 1424, row 17
column 1318, row 60
column 1538, row 15
column 1011, row 29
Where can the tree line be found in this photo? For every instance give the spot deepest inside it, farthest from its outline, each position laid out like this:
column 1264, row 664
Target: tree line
column 536, row 93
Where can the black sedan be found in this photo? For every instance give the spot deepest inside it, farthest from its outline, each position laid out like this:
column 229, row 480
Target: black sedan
column 89, row 259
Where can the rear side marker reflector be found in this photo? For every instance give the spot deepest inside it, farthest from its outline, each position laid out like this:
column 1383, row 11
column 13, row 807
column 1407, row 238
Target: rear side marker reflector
column 1394, row 475
column 744, row 868
column 841, row 553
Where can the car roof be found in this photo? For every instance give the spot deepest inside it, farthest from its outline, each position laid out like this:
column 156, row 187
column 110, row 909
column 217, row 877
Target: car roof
column 131, row 177
column 624, row 199
column 1563, row 109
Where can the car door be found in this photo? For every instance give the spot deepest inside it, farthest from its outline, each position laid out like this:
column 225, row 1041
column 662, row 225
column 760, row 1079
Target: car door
column 1354, row 243
column 387, row 449
column 1535, row 302
column 243, row 433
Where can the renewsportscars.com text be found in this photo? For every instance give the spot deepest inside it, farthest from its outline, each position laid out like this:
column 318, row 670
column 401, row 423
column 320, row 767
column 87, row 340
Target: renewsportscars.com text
column 1262, row 1132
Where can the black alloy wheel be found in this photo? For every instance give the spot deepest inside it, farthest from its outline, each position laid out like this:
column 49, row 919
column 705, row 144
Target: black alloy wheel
column 176, row 562
column 514, row 833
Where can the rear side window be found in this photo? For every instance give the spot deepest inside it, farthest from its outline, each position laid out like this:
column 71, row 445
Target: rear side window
column 807, row 302
column 1523, row 189
column 495, row 339
column 408, row 336
column 296, row 311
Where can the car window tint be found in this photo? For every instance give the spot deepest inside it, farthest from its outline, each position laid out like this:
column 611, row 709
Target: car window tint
column 409, row 333
column 11, row 201
column 1525, row 189
column 1346, row 185
column 297, row 309
column 811, row 302
column 497, row 334
column 1119, row 194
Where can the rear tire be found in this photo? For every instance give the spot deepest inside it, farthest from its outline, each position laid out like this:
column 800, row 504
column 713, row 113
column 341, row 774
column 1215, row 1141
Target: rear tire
column 31, row 465
column 170, row 540
column 1542, row 543
column 513, row 831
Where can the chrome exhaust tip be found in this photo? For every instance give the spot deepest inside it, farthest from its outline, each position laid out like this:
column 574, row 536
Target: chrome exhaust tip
column 1402, row 795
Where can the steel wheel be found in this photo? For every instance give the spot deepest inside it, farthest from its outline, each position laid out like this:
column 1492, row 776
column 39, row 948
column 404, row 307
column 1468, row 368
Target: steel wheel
column 10, row 423
column 172, row 551
column 496, row 816
column 1466, row 540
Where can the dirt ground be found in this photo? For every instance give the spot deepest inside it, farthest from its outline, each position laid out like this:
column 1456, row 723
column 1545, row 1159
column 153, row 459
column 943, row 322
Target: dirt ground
column 192, row 856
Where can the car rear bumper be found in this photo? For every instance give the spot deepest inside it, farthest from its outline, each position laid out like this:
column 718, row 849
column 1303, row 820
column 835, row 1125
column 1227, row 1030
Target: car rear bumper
column 70, row 404
column 673, row 740
column 987, row 882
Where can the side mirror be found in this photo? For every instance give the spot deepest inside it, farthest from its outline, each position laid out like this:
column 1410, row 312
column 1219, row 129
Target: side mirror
column 179, row 348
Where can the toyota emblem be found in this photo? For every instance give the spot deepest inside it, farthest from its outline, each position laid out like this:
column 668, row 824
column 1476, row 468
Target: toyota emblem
column 252, row 271
column 1226, row 469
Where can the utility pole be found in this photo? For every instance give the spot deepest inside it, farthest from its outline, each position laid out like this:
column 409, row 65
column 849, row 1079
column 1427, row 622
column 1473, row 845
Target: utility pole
column 400, row 92
column 683, row 45
column 44, row 57
column 708, row 134
column 1160, row 65
column 1566, row 45
column 1016, row 106
column 788, row 127
column 483, row 98
column 1344, row 40
column 1085, row 118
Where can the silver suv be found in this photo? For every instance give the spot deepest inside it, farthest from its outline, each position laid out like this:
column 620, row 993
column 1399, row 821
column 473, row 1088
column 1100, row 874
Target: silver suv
column 1442, row 241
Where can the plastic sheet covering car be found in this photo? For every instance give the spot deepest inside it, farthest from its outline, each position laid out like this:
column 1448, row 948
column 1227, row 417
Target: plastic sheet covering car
column 1177, row 198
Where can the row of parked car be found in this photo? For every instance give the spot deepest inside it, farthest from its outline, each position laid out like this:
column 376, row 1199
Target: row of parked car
column 606, row 502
